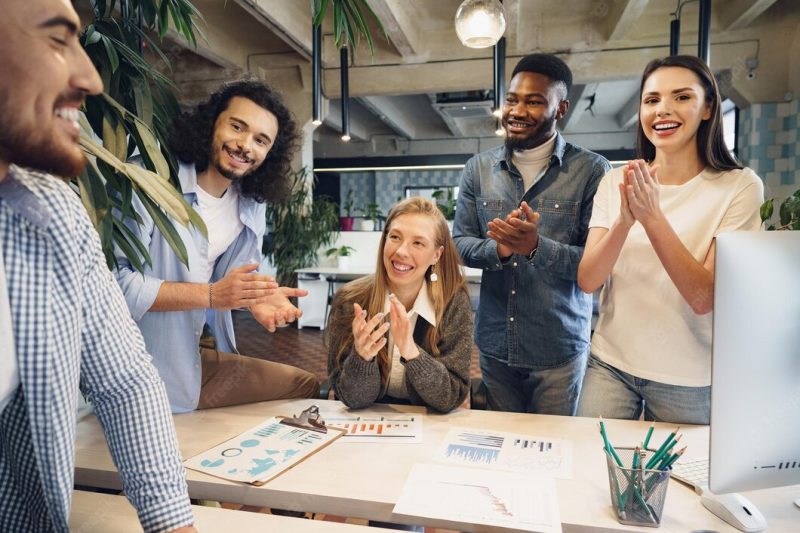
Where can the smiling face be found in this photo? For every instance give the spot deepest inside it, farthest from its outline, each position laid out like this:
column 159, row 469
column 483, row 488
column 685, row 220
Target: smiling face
column 46, row 76
column 243, row 136
column 532, row 106
column 673, row 107
column 409, row 250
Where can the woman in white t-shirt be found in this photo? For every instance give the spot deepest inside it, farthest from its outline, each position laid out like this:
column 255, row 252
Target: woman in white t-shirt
column 651, row 247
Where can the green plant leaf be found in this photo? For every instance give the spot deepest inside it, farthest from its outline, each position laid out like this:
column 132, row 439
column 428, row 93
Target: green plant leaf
column 167, row 229
column 767, row 209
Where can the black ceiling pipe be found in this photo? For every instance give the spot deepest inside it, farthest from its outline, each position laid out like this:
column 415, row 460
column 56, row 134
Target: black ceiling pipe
column 704, row 32
column 499, row 64
column 343, row 67
column 674, row 37
column 316, row 75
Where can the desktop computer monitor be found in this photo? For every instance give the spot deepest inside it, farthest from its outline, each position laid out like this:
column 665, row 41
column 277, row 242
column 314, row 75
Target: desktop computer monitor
column 755, row 376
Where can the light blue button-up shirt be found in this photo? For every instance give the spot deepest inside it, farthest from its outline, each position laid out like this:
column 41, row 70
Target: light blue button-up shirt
column 173, row 337
column 532, row 314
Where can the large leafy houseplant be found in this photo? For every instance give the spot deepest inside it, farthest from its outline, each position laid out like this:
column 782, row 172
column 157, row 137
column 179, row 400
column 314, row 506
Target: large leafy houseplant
column 788, row 213
column 299, row 229
column 132, row 117
column 349, row 21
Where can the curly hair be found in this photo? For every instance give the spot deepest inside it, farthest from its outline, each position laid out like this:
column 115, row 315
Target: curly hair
column 192, row 133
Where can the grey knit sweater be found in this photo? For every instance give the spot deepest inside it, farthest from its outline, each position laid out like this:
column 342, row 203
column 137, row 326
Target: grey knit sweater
column 441, row 382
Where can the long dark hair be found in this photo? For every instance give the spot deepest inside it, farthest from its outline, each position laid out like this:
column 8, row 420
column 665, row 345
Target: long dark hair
column 710, row 140
column 191, row 135
column 370, row 292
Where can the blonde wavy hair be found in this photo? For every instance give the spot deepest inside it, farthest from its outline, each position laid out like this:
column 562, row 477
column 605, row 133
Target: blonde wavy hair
column 370, row 292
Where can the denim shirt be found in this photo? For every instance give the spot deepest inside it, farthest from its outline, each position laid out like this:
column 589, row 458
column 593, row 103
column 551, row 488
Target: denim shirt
column 173, row 337
column 532, row 314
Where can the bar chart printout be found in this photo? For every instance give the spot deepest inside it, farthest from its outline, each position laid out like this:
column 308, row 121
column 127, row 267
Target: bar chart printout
column 261, row 453
column 377, row 428
column 458, row 496
column 507, row 451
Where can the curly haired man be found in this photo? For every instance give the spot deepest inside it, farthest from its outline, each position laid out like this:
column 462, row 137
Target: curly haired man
column 234, row 152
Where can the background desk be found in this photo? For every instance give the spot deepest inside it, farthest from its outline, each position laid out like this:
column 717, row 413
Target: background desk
column 365, row 480
column 95, row 513
column 319, row 281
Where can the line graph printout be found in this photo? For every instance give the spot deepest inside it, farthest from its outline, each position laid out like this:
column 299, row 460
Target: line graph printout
column 507, row 451
column 459, row 496
column 377, row 428
column 261, row 453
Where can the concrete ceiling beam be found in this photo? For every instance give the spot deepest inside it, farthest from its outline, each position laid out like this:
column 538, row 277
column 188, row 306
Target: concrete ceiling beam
column 290, row 21
column 333, row 119
column 629, row 114
column 398, row 18
column 391, row 114
column 577, row 104
column 622, row 16
column 739, row 14
column 471, row 74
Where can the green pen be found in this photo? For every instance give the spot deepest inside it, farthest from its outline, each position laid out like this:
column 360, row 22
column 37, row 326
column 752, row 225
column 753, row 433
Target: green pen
column 649, row 434
column 653, row 460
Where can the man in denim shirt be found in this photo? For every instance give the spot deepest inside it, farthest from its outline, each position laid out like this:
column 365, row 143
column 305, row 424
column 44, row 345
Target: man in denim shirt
column 522, row 216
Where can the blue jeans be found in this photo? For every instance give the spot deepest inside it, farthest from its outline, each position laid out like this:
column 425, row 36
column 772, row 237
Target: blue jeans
column 612, row 393
column 549, row 391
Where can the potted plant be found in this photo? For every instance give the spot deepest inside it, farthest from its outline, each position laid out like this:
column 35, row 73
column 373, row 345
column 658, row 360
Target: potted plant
column 788, row 213
column 446, row 204
column 372, row 217
column 342, row 255
column 346, row 222
column 298, row 229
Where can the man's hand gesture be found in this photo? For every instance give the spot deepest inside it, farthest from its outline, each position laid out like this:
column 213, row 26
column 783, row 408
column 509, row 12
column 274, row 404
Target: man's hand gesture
column 277, row 310
column 242, row 287
column 518, row 233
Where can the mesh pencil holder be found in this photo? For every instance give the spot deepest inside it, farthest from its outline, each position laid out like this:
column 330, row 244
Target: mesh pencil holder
column 637, row 495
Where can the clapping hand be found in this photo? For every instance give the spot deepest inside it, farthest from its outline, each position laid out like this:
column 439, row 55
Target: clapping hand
column 369, row 336
column 402, row 334
column 643, row 191
column 518, row 233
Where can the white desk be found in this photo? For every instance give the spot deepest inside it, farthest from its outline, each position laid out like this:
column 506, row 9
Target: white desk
column 95, row 513
column 365, row 480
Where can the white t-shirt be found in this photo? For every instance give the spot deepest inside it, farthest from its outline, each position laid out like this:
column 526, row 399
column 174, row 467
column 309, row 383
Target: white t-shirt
column 397, row 375
column 9, row 371
column 221, row 216
column 532, row 163
column 646, row 328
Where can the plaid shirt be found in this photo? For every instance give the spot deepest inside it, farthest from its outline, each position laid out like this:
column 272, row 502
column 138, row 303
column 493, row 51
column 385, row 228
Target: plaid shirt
column 72, row 329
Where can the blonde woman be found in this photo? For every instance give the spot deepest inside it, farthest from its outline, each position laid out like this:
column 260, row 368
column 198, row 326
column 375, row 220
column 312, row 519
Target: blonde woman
column 421, row 354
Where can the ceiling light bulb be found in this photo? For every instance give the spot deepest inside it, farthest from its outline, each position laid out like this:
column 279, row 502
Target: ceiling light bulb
column 316, row 122
column 480, row 23
column 345, row 138
column 499, row 131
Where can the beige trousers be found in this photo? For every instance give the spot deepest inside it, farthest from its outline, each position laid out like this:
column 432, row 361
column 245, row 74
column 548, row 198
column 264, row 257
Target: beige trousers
column 232, row 379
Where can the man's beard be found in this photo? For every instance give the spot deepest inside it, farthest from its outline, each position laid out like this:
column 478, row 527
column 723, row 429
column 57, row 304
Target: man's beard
column 543, row 133
column 228, row 173
column 35, row 148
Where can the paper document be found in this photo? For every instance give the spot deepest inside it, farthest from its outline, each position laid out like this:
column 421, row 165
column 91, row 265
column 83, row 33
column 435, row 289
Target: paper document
column 375, row 427
column 261, row 453
column 464, row 497
column 507, row 451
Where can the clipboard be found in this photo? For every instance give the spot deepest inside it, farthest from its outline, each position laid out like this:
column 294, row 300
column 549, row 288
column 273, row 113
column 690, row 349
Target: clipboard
column 267, row 450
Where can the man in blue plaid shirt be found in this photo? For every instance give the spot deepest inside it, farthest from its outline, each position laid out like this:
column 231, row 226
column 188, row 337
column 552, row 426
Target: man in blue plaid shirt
column 63, row 321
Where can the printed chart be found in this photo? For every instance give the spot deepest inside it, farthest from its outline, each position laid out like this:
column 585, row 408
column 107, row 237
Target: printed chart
column 507, row 451
column 261, row 453
column 458, row 496
column 375, row 428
